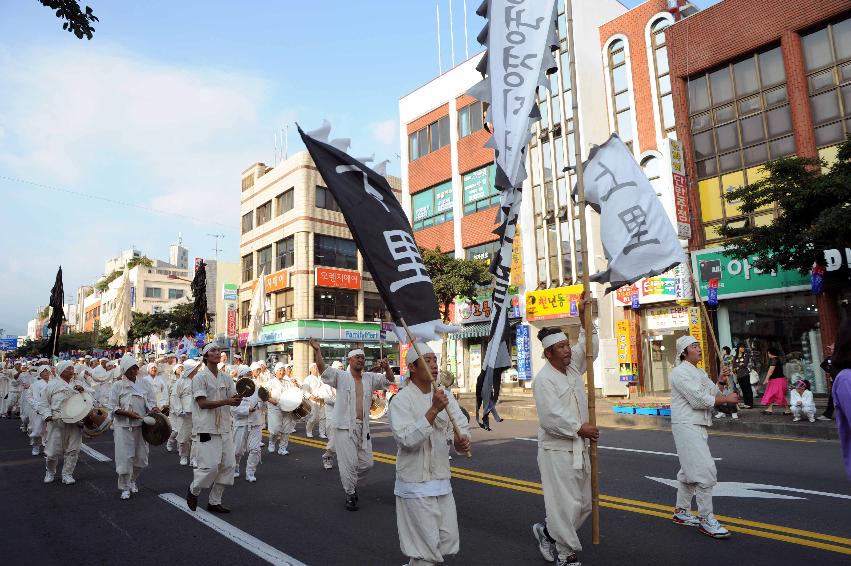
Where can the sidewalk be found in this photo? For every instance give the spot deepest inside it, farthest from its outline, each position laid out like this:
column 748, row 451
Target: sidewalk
column 750, row 421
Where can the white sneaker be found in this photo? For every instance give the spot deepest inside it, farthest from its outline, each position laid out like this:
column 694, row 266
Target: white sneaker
column 323, row 435
column 796, row 419
column 35, row 451
column 250, row 478
column 184, row 461
column 735, row 415
column 684, row 517
column 68, row 480
column 271, row 447
column 169, row 447
column 823, row 418
column 133, row 487
column 49, row 477
column 710, row 526
column 327, row 462
column 720, row 415
column 545, row 545
column 283, row 451
column 194, row 463
column 236, row 472
column 309, row 435
column 125, row 494
column 812, row 419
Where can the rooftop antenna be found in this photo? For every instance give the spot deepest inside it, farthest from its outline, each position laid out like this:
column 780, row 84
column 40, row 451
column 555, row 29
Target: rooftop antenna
column 286, row 135
column 275, row 159
column 439, row 59
column 466, row 49
column 451, row 34
column 216, row 248
column 180, row 238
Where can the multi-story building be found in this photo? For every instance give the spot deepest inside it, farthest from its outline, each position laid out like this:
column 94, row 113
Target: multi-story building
column 83, row 291
column 449, row 193
column 91, row 312
column 752, row 81
column 223, row 296
column 295, row 236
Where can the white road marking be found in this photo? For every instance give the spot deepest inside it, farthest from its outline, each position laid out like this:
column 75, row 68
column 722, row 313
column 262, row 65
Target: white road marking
column 743, row 489
column 624, row 449
column 95, row 454
column 253, row 545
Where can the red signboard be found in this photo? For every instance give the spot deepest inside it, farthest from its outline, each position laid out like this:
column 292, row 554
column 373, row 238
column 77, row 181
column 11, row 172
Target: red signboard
column 624, row 294
column 327, row 277
column 232, row 322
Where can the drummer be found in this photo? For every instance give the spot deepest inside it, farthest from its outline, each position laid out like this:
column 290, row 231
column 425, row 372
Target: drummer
column 248, row 426
column 37, row 427
column 173, row 406
column 280, row 422
column 181, row 409
column 129, row 401
column 62, row 439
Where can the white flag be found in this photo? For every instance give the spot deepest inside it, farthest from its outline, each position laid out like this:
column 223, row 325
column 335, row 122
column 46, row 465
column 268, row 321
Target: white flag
column 258, row 309
column 639, row 239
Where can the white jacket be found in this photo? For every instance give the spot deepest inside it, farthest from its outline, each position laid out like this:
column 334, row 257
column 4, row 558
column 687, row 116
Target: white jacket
column 806, row 400
column 181, row 397
column 692, row 395
column 55, row 393
column 345, row 406
column 243, row 415
column 128, row 395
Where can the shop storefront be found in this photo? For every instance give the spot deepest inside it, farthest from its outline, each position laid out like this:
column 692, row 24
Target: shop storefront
column 763, row 310
column 557, row 307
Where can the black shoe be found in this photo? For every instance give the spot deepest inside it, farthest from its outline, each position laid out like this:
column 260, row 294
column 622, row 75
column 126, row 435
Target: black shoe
column 571, row 560
column 191, row 500
column 218, row 508
column 351, row 502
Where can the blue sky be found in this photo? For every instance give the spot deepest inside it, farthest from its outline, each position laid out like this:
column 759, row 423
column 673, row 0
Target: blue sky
column 167, row 105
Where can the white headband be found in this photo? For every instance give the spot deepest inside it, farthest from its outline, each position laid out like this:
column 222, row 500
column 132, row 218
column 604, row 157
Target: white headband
column 553, row 339
column 411, row 355
column 356, row 352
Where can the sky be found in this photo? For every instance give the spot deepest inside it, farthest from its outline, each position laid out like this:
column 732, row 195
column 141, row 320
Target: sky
column 143, row 132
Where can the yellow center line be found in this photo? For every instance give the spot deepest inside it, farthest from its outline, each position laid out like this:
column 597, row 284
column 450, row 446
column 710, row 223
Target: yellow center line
column 735, row 524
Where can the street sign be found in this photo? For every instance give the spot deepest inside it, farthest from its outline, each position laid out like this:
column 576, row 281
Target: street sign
column 8, row 344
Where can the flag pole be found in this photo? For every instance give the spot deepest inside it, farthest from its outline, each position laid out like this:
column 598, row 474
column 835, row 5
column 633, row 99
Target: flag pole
column 699, row 300
column 586, row 282
column 424, row 367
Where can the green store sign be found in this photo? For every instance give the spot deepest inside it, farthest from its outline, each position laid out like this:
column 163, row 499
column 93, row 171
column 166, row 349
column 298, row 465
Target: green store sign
column 739, row 278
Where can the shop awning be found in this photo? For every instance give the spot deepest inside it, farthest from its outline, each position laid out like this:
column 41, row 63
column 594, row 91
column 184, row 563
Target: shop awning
column 477, row 330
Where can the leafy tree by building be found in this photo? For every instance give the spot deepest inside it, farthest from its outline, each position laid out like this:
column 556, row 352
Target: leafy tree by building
column 77, row 21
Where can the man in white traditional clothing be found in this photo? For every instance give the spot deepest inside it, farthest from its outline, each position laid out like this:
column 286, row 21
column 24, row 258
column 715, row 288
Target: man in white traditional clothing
column 280, row 422
column 563, row 438
column 62, row 439
column 13, row 389
column 693, row 398
column 27, row 378
column 351, row 416
column 102, row 379
column 425, row 506
column 130, row 399
column 157, row 385
column 37, row 425
column 212, row 424
column 248, row 428
column 311, row 386
column 173, row 401
column 180, row 409
column 4, row 387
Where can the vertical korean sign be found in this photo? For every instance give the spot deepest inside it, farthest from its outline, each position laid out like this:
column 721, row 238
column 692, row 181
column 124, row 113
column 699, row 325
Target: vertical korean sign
column 626, row 351
column 678, row 172
column 232, row 320
column 524, row 360
column 695, row 328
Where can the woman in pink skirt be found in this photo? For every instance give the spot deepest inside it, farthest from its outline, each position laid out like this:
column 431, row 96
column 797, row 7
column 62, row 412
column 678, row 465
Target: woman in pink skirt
column 775, row 384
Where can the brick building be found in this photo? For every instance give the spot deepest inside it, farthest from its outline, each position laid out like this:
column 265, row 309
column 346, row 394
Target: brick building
column 752, row 81
column 316, row 285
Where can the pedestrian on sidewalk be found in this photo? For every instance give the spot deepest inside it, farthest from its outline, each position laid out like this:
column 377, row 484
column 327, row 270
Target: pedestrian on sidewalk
column 693, row 396
column 776, row 384
column 563, row 440
column 801, row 402
column 842, row 390
column 741, row 367
column 726, row 387
column 829, row 373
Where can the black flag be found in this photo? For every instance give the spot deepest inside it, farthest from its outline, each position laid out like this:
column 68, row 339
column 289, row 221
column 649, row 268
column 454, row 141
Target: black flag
column 199, row 291
column 384, row 237
column 57, row 313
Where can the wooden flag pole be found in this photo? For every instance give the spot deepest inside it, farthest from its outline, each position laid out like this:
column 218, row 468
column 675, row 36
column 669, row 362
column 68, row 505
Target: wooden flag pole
column 705, row 313
column 434, row 384
column 587, row 322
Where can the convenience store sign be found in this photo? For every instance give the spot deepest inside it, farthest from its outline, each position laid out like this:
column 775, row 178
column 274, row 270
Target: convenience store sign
column 739, row 278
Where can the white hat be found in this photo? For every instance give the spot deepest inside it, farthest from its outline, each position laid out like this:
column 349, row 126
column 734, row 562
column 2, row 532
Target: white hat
column 355, row 352
column 213, row 344
column 684, row 342
column 411, row 356
column 243, row 370
column 279, row 365
column 62, row 366
column 337, row 364
column 255, row 365
column 127, row 362
column 40, row 369
column 188, row 366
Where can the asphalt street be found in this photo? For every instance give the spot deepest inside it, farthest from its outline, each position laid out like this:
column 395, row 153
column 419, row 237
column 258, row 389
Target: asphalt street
column 798, row 513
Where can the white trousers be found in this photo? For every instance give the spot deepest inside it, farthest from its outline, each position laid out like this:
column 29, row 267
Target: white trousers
column 280, row 425
column 248, row 438
column 37, row 429
column 131, row 454
column 803, row 411
column 317, row 417
column 567, row 498
column 216, row 463
column 354, row 456
column 184, row 435
column 62, row 440
column 697, row 473
column 26, row 410
column 12, row 402
column 428, row 528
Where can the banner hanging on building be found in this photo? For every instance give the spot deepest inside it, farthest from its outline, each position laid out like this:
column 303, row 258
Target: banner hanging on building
column 695, row 328
column 639, row 240
column 383, row 235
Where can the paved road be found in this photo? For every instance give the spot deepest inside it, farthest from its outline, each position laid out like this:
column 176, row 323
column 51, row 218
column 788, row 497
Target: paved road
column 295, row 510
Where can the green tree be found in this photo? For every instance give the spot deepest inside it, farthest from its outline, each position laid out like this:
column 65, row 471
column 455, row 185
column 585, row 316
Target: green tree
column 141, row 260
column 452, row 278
column 102, row 337
column 103, row 284
column 181, row 320
column 77, row 21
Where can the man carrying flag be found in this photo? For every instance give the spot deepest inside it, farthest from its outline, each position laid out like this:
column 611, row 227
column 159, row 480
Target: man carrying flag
column 563, row 437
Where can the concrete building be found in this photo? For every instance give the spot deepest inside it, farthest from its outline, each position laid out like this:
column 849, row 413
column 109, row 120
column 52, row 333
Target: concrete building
column 83, row 291
column 223, row 296
column 752, row 81
column 448, row 191
column 293, row 232
column 91, row 312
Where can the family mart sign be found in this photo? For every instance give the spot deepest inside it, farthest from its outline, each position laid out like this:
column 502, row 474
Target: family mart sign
column 739, row 278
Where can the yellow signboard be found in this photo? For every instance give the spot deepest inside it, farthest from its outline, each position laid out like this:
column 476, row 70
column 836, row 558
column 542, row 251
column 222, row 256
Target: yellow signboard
column 626, row 350
column 560, row 302
column 695, row 328
column 517, row 260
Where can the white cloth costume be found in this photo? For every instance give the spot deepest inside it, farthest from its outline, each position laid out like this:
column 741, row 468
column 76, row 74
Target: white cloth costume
column 692, row 400
column 280, row 422
column 13, row 391
column 802, row 406
column 425, row 506
column 37, row 425
column 181, row 412
column 562, row 406
column 248, row 432
column 62, row 439
column 352, row 441
column 214, row 430
column 131, row 450
column 312, row 386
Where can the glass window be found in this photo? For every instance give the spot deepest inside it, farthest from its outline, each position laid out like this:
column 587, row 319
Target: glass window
column 662, row 60
column 335, row 303
column 825, row 107
column 247, row 268
column 819, row 81
column 727, row 137
column 264, row 213
column 175, row 294
column 559, row 155
column 842, row 39
column 285, row 253
column 668, row 119
column 443, row 128
column 325, row 200
column 334, row 252
column 829, row 134
column 264, row 260
column 483, row 252
column 698, row 95
column 464, row 122
column 721, row 85
column 752, row 130
column 782, row 147
column 153, row 293
column 284, row 305
column 247, row 222
column 285, row 201
column 619, row 80
column 414, row 146
column 746, row 78
column 775, row 97
column 477, row 114
column 756, row 154
column 779, row 122
column 749, row 106
column 704, row 145
column 432, row 206
column 724, row 114
column 816, row 47
column 623, row 121
column 771, row 68
column 373, row 307
column 556, row 101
